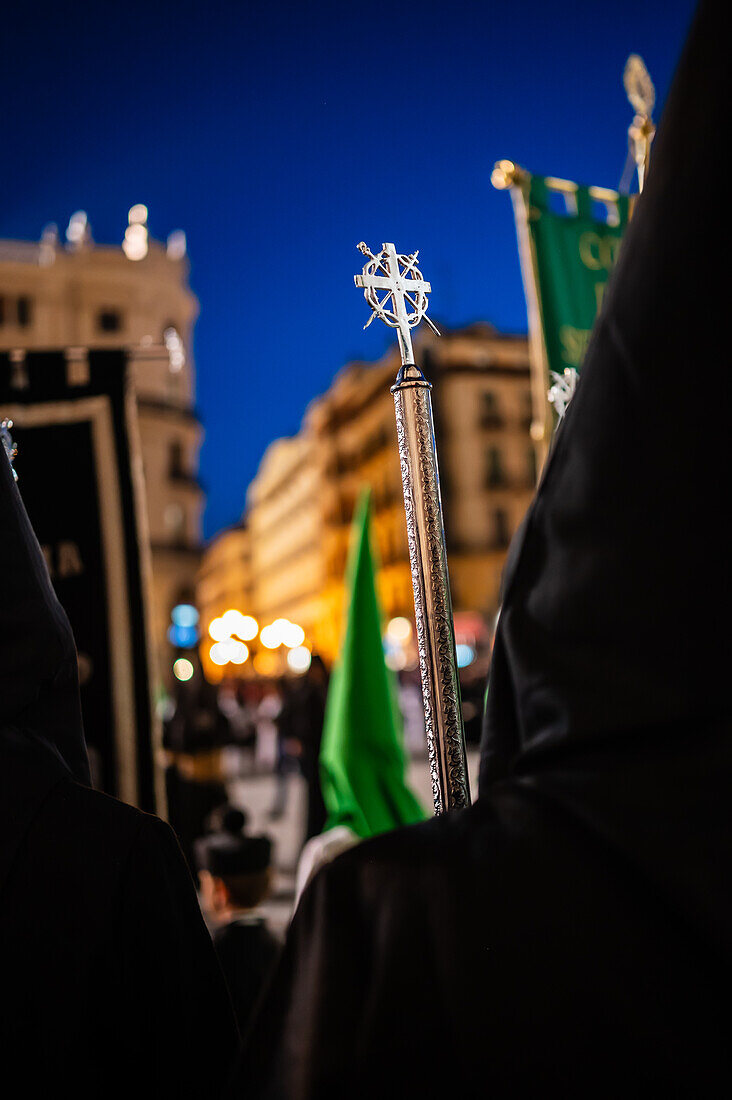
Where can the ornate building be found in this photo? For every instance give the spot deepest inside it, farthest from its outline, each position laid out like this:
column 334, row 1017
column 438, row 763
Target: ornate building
column 81, row 294
column 284, row 510
column 300, row 504
column 225, row 576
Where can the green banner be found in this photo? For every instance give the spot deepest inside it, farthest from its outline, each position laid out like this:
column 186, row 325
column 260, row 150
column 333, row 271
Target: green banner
column 574, row 251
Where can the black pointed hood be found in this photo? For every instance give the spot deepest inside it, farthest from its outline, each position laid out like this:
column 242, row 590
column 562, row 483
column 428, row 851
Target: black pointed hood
column 609, row 689
column 39, row 686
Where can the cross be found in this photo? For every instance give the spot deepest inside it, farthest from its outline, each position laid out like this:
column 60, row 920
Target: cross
column 403, row 283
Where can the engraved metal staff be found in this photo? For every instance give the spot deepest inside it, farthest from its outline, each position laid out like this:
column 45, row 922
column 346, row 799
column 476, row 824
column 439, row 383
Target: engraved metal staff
column 394, row 288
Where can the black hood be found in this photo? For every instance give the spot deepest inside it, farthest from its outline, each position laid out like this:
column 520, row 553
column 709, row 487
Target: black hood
column 610, row 687
column 39, row 686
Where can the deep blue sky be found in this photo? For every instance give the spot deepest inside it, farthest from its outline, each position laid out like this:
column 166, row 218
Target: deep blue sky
column 280, row 135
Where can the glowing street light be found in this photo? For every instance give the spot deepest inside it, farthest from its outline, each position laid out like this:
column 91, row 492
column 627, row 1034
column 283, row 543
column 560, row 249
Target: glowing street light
column 217, row 629
column 399, row 629
column 134, row 245
column 238, row 652
column 232, row 621
column 243, row 626
column 465, row 655
column 182, row 669
column 219, row 653
column 270, row 636
column 298, row 659
column 248, row 628
column 292, row 635
column 185, row 615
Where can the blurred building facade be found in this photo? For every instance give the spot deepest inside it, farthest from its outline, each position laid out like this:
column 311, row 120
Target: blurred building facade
column 80, row 294
column 300, row 504
column 225, row 574
column 284, row 510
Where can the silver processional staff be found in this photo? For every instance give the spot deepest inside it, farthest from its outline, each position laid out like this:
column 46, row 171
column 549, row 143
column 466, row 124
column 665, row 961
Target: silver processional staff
column 396, row 292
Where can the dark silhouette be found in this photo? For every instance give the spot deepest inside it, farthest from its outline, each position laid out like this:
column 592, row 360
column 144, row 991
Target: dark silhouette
column 109, row 980
column 235, row 874
column 193, row 738
column 301, row 729
column 570, row 934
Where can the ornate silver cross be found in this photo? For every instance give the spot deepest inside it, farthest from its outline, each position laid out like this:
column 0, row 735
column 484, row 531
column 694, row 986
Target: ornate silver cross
column 394, row 288
column 402, row 280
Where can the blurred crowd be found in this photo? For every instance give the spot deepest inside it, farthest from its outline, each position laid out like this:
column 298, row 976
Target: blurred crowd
column 217, row 735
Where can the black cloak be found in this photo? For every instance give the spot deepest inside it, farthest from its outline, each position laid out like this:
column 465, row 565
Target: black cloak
column 571, row 933
column 108, row 981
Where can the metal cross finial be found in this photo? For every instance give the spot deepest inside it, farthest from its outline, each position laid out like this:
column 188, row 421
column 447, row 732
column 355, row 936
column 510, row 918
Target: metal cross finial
column 402, row 280
column 639, row 86
column 642, row 97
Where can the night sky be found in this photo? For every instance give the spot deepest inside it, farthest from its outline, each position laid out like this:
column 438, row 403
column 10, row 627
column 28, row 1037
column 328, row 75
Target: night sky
column 280, row 135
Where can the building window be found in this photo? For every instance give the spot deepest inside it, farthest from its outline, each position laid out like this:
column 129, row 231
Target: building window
column 109, row 320
column 490, row 415
column 25, row 312
column 501, row 533
column 176, row 466
column 495, row 476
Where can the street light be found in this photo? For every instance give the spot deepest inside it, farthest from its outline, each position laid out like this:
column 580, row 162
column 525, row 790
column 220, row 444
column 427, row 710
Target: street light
column 182, row 669
column 270, row 636
column 247, row 629
column 292, row 635
column 298, row 659
column 217, row 630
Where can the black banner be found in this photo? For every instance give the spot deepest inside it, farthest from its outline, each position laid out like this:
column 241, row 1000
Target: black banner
column 72, row 416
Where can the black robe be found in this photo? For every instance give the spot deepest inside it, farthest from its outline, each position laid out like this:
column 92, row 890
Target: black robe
column 109, row 985
column 247, row 951
column 571, row 933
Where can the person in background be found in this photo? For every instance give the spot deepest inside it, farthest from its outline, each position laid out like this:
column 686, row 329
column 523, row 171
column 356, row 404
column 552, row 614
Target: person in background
column 110, row 984
column 235, row 876
column 412, row 707
column 193, row 739
column 301, row 729
column 271, row 748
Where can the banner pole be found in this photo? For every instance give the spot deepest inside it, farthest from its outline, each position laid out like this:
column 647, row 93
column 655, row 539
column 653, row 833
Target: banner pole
column 508, row 176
